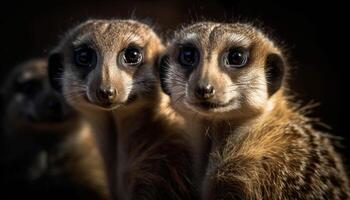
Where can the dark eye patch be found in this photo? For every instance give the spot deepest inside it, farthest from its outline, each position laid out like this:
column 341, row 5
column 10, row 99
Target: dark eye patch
column 85, row 59
column 236, row 58
column 55, row 70
column 188, row 56
column 132, row 56
column 163, row 70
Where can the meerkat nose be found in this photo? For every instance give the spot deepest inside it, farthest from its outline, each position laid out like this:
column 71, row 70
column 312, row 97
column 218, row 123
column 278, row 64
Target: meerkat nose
column 204, row 91
column 54, row 106
column 106, row 94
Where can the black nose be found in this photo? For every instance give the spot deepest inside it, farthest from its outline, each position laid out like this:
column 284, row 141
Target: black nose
column 204, row 91
column 106, row 94
column 54, row 106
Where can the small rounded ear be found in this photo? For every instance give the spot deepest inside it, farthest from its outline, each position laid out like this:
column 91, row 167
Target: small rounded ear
column 55, row 71
column 274, row 72
column 163, row 69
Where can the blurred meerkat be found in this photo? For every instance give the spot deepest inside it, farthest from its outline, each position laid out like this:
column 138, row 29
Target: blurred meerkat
column 229, row 81
column 47, row 150
column 109, row 66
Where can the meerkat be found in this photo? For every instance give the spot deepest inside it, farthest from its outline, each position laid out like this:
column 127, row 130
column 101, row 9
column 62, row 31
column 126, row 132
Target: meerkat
column 110, row 66
column 47, row 150
column 228, row 81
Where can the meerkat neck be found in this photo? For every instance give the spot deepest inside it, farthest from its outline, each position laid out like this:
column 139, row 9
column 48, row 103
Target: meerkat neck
column 132, row 117
column 219, row 130
column 105, row 134
column 132, row 122
column 141, row 113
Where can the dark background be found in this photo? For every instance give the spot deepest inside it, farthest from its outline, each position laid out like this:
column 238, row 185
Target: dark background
column 313, row 32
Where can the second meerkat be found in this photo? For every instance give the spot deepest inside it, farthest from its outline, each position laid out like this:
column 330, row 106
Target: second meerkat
column 47, row 150
column 229, row 81
column 110, row 66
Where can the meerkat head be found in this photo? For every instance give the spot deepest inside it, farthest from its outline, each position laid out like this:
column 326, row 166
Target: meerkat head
column 29, row 102
column 104, row 64
column 221, row 70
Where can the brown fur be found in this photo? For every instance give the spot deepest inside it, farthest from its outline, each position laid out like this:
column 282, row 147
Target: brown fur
column 44, row 157
column 261, row 146
column 156, row 156
column 273, row 159
column 153, row 159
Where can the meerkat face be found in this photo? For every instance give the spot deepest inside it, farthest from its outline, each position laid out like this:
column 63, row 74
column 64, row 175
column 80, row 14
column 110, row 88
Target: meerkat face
column 221, row 70
column 29, row 101
column 105, row 63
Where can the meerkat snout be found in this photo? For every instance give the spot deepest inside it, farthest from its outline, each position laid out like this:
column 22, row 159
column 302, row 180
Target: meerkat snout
column 106, row 94
column 204, row 91
column 50, row 107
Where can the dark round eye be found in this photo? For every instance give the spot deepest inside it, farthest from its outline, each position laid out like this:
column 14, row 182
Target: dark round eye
column 85, row 57
column 236, row 58
column 29, row 88
column 188, row 56
column 132, row 56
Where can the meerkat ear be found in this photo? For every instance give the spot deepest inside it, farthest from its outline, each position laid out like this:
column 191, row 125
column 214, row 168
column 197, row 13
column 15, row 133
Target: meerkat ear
column 55, row 70
column 163, row 69
column 274, row 71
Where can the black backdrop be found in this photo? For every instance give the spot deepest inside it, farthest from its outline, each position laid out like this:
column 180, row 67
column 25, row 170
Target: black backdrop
column 314, row 33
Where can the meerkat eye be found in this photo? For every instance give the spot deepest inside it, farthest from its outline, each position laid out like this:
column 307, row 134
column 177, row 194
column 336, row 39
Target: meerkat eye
column 29, row 87
column 85, row 57
column 188, row 56
column 236, row 58
column 132, row 56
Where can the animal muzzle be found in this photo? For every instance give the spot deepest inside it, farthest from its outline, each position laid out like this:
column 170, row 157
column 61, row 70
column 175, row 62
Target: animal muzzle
column 52, row 109
column 106, row 95
column 204, row 91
